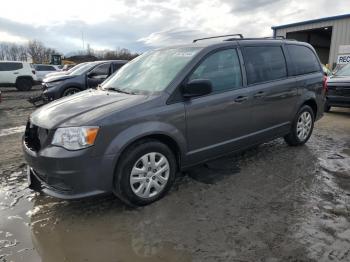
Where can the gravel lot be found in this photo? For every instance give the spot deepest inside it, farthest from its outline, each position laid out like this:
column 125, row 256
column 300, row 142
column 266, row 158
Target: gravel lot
column 271, row 203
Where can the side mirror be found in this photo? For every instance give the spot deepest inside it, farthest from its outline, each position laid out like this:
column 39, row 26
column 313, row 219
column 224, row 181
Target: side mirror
column 197, row 87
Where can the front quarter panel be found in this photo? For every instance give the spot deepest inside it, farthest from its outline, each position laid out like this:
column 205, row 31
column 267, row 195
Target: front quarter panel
column 167, row 120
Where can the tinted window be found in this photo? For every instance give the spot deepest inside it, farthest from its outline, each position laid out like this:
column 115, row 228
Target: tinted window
column 10, row 66
column 222, row 69
column 303, row 59
column 264, row 63
column 101, row 70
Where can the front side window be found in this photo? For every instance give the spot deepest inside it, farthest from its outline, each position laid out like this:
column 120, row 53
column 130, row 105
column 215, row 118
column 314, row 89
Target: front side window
column 101, row 70
column 303, row 59
column 264, row 63
column 222, row 69
column 151, row 72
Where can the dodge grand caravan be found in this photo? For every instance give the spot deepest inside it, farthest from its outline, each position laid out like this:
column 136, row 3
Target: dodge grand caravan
column 170, row 109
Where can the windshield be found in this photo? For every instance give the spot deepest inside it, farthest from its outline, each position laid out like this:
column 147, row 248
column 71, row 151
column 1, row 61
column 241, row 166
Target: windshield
column 344, row 71
column 152, row 71
column 75, row 67
column 82, row 69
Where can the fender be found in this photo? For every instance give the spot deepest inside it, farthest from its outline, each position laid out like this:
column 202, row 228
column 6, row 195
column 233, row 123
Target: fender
column 138, row 131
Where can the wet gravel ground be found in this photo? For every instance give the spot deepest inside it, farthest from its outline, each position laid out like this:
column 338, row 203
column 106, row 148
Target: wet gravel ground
column 271, row 203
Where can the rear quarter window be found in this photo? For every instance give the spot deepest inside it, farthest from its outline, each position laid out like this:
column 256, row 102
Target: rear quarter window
column 304, row 60
column 264, row 63
column 11, row 66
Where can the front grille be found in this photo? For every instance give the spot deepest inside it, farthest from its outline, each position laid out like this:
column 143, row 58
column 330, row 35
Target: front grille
column 35, row 137
column 339, row 90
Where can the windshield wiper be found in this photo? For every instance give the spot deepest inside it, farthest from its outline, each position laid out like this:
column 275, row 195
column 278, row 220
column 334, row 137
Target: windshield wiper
column 119, row 90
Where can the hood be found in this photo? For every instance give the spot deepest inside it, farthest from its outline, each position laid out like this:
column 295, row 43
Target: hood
column 339, row 79
column 83, row 108
column 55, row 78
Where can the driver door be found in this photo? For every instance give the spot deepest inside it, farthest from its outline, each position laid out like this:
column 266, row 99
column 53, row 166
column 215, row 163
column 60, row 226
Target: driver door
column 98, row 74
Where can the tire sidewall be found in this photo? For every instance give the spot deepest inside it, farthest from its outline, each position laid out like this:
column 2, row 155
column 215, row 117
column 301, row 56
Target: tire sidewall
column 303, row 109
column 64, row 91
column 122, row 176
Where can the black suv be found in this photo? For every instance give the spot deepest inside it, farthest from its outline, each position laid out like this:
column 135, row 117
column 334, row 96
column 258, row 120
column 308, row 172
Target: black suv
column 170, row 109
column 90, row 75
column 338, row 89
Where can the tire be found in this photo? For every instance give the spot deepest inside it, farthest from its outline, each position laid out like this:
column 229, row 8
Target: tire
column 70, row 91
column 138, row 188
column 24, row 84
column 302, row 127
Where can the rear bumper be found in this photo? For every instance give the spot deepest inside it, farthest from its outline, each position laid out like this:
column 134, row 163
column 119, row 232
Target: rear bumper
column 69, row 174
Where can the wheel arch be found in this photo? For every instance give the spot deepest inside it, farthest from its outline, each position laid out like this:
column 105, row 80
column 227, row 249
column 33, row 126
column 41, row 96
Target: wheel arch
column 25, row 77
column 166, row 134
column 312, row 103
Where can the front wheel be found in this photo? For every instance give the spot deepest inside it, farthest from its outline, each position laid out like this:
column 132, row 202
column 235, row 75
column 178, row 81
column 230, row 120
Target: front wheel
column 302, row 127
column 70, row 91
column 145, row 173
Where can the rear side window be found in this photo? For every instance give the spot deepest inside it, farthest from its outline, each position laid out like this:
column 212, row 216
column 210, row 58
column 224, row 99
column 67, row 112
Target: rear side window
column 264, row 63
column 10, row 66
column 222, row 69
column 303, row 59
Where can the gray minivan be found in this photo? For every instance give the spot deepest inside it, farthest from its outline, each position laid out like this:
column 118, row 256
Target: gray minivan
column 170, row 109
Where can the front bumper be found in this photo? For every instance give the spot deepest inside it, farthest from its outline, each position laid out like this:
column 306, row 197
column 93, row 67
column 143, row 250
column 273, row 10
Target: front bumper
column 341, row 101
column 69, row 174
column 51, row 93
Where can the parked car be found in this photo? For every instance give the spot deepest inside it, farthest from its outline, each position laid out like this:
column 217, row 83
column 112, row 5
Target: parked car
column 42, row 70
column 18, row 74
column 87, row 76
column 338, row 89
column 61, row 73
column 170, row 109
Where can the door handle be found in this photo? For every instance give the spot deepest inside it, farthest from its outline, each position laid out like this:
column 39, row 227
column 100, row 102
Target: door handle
column 240, row 99
column 259, row 94
column 15, row 73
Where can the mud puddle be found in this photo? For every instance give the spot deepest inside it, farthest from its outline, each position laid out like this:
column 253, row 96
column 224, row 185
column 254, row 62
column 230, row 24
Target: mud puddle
column 271, row 203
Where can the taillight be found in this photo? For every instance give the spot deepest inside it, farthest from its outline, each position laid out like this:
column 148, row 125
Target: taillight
column 33, row 71
column 325, row 84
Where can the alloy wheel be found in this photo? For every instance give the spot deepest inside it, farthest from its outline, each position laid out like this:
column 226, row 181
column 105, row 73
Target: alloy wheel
column 304, row 125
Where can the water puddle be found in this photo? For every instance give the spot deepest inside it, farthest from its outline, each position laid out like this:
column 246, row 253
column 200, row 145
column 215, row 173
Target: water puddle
column 12, row 130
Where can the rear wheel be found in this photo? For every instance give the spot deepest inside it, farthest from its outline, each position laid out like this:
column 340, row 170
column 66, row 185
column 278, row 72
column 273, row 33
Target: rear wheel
column 301, row 127
column 145, row 173
column 70, row 91
column 24, row 84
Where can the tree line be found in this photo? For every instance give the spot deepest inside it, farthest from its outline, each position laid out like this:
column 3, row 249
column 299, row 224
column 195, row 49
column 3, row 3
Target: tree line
column 34, row 50
column 39, row 53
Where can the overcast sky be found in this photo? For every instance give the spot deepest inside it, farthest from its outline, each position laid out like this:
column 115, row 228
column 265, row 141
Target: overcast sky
column 143, row 24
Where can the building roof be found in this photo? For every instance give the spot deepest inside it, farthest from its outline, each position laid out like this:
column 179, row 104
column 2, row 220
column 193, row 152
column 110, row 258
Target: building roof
column 324, row 19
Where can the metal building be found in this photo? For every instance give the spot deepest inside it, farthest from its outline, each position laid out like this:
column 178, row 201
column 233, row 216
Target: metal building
column 330, row 36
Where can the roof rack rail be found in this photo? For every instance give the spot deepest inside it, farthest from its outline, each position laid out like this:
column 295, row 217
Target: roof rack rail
column 219, row 36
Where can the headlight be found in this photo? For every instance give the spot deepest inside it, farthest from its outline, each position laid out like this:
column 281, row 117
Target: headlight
column 51, row 84
column 75, row 138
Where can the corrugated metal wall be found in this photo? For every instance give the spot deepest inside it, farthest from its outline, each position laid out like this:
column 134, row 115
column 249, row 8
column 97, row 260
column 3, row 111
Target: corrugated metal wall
column 340, row 34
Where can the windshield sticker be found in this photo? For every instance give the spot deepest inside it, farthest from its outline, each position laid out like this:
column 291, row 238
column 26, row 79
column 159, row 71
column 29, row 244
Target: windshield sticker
column 184, row 54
